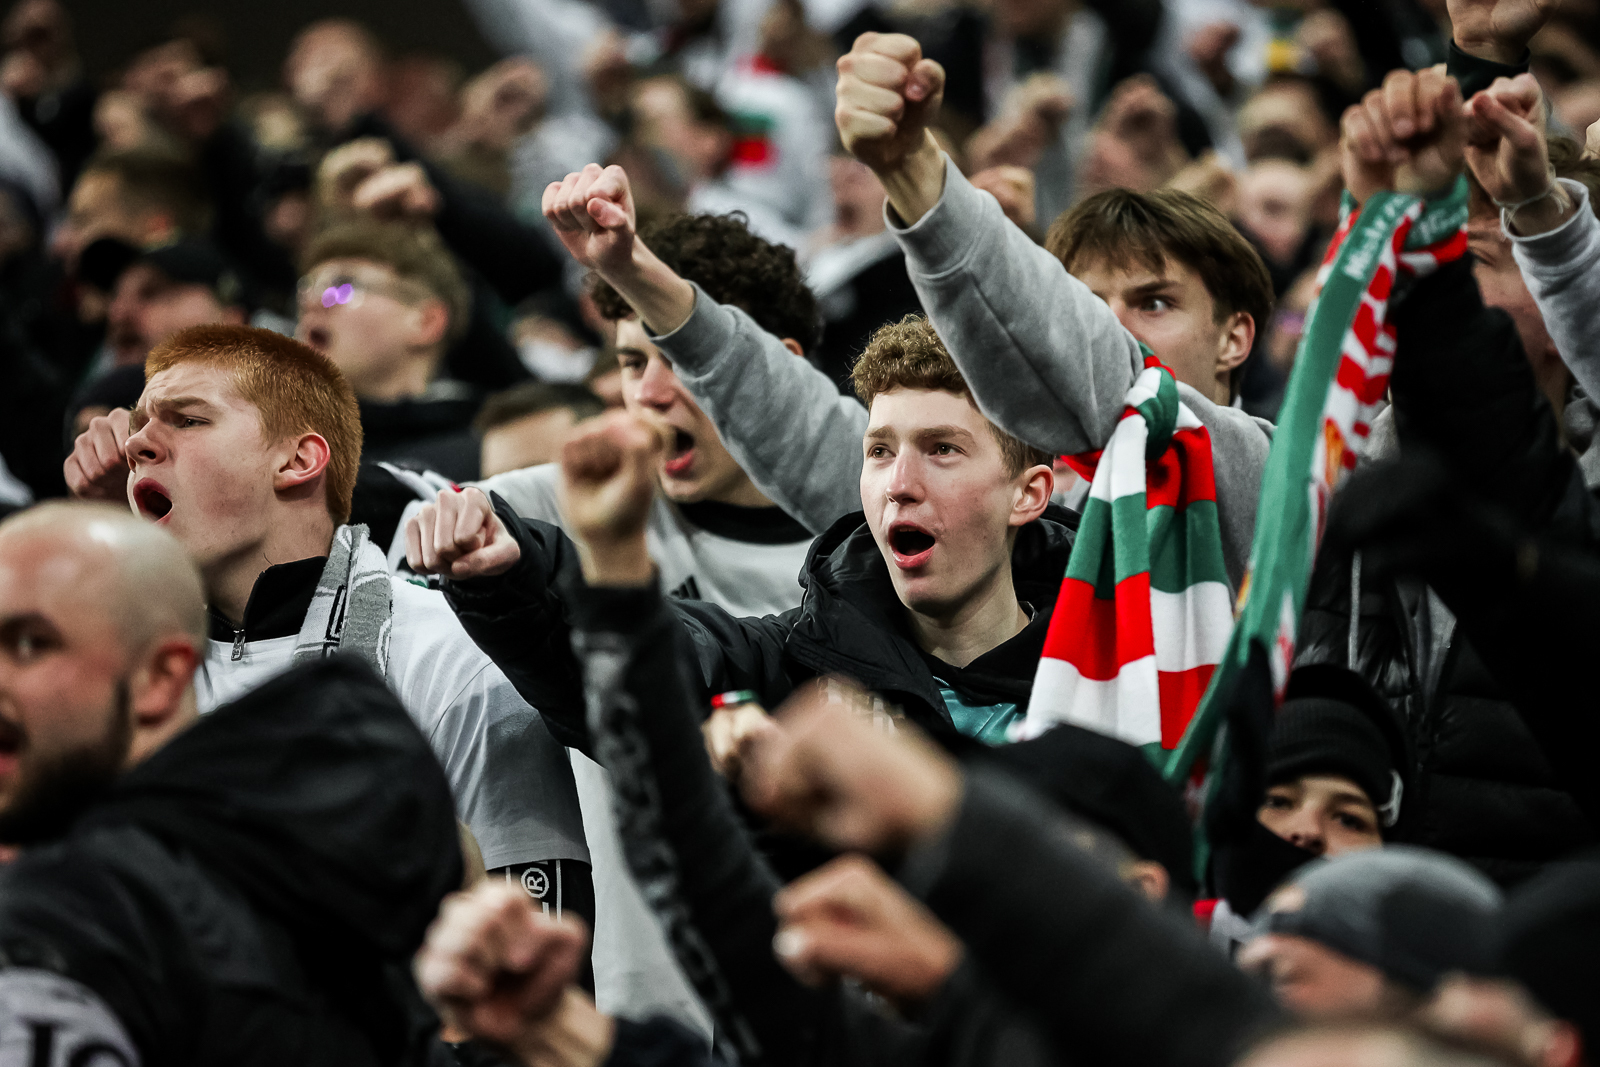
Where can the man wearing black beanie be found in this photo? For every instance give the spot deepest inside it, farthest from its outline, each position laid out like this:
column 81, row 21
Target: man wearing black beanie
column 1327, row 781
column 1333, row 784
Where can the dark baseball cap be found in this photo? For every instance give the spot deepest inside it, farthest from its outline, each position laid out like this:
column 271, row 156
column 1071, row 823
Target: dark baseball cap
column 187, row 261
column 192, row 261
column 1413, row 913
column 103, row 260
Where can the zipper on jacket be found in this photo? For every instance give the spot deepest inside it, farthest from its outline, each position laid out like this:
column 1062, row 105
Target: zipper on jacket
column 238, row 645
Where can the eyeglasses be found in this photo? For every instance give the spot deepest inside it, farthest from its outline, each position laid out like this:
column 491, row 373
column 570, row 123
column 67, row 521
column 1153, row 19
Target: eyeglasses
column 345, row 289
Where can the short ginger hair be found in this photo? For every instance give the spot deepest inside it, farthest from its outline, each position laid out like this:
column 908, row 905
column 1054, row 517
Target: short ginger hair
column 909, row 355
column 296, row 389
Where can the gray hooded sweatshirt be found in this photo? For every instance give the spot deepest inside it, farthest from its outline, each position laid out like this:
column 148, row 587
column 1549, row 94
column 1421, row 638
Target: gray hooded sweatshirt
column 1562, row 270
column 1046, row 359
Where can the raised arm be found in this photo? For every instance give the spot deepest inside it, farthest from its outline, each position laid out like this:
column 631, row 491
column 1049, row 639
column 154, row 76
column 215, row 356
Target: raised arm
column 500, row 579
column 1554, row 233
column 1047, row 360
column 782, row 420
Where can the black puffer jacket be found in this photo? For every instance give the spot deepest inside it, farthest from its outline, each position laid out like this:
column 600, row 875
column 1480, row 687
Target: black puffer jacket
column 250, row 894
column 1480, row 787
column 850, row 622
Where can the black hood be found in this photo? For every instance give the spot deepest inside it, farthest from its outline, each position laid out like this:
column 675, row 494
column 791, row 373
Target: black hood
column 851, row 621
column 318, row 798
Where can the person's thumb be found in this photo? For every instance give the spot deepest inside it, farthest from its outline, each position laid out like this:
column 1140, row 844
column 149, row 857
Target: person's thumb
column 924, row 92
column 608, row 214
column 1517, row 131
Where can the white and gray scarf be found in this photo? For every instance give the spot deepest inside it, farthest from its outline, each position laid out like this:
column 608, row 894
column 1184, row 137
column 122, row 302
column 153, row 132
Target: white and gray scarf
column 352, row 610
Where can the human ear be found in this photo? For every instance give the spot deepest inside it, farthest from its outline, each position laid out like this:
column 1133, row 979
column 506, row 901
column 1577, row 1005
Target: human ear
column 303, row 465
column 1238, row 335
column 156, row 693
column 433, row 322
column 1149, row 878
column 1034, row 488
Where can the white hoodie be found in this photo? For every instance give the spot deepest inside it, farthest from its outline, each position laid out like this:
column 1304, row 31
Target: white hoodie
column 512, row 782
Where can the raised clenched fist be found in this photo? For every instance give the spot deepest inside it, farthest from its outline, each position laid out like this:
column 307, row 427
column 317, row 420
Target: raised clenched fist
column 98, row 466
column 887, row 97
column 591, row 210
column 1409, row 136
column 608, row 482
column 460, row 537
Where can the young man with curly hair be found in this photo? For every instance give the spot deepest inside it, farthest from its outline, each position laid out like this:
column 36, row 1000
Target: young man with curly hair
column 715, row 535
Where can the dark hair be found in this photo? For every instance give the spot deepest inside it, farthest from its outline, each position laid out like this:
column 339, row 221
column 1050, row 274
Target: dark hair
column 151, row 179
column 1122, row 228
column 413, row 253
column 530, row 398
column 909, row 355
column 734, row 266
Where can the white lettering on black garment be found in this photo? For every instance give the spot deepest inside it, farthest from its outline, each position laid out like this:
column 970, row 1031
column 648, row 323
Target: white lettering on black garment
column 48, row 1020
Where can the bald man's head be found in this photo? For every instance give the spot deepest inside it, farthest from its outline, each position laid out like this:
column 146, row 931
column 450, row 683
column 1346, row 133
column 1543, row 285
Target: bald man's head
column 138, row 573
column 102, row 626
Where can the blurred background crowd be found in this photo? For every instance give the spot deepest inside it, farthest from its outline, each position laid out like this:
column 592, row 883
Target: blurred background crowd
column 157, row 174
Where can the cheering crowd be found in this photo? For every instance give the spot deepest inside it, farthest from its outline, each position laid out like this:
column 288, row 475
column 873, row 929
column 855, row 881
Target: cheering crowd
column 805, row 532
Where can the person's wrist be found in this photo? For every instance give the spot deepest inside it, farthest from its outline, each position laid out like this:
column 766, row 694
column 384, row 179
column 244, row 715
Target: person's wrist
column 1428, row 188
column 576, row 1034
column 663, row 299
column 1544, row 214
column 916, row 182
column 615, row 561
column 930, row 804
column 1487, row 46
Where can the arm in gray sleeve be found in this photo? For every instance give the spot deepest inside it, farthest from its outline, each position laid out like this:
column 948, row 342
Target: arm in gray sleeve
column 1047, row 360
column 781, row 419
column 1562, row 269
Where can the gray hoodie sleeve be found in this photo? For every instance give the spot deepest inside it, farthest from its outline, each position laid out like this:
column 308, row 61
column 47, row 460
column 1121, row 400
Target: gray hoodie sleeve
column 781, row 419
column 1562, row 269
column 1047, row 360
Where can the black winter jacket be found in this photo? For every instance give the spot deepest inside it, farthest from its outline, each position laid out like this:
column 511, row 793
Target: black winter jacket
column 253, row 892
column 711, row 888
column 850, row 622
column 1479, row 785
column 1067, row 964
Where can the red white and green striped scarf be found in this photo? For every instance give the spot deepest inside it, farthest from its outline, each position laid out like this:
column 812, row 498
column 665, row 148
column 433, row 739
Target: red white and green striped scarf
column 1144, row 624
column 1340, row 374
column 1144, row 610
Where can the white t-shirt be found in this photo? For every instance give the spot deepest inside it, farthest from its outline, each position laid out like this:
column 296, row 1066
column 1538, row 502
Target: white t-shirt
column 512, row 781
column 635, row 972
column 746, row 577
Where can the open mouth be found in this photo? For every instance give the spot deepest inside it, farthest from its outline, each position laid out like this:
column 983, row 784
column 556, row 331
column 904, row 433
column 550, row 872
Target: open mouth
column 912, row 545
column 11, row 739
column 318, row 337
column 152, row 500
column 680, row 456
